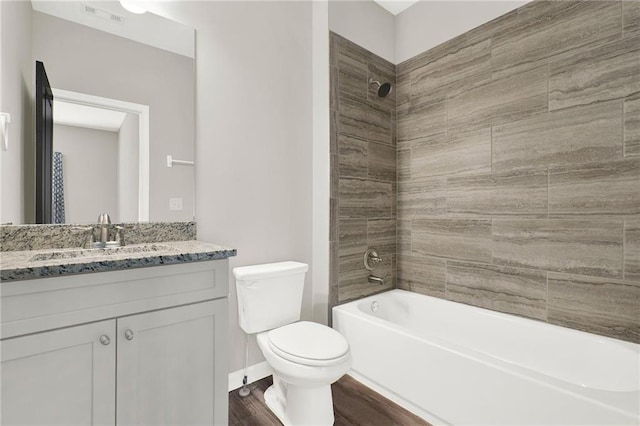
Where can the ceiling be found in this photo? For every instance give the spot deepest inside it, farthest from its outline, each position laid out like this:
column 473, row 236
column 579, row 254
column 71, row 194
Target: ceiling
column 396, row 6
column 111, row 17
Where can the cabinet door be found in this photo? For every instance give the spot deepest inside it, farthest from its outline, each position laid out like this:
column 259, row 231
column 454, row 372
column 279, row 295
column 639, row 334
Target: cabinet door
column 62, row 377
column 172, row 366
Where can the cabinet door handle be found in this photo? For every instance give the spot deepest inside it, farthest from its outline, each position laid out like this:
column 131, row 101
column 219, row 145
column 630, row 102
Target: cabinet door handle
column 104, row 339
column 128, row 335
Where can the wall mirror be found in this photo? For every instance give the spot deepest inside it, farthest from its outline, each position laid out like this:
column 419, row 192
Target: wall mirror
column 123, row 99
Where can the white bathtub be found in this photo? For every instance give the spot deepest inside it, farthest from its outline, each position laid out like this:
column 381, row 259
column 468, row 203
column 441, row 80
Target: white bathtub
column 452, row 363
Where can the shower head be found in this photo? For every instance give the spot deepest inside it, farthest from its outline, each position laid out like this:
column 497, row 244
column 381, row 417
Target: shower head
column 383, row 88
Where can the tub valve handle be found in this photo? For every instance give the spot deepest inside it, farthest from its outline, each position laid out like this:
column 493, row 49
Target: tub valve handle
column 371, row 259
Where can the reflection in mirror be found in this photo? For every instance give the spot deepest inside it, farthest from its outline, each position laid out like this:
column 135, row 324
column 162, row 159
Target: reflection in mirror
column 114, row 136
column 133, row 60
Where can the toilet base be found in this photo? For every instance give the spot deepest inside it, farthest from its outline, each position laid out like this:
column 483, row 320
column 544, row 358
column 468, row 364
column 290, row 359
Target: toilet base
column 300, row 406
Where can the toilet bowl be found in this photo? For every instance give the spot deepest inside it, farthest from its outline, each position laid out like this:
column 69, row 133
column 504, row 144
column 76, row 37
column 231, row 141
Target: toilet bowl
column 306, row 357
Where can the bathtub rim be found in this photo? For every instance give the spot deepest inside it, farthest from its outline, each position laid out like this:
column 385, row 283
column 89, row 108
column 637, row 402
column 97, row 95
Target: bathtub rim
column 619, row 401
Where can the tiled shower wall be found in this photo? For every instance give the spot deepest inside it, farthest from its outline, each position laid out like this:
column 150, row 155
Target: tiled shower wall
column 363, row 171
column 519, row 167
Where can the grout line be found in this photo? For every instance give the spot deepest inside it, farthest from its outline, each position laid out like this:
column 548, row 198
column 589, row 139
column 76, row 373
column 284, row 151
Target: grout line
column 548, row 86
column 548, row 190
column 491, row 148
column 624, row 136
column 546, row 301
column 622, row 19
column 624, row 245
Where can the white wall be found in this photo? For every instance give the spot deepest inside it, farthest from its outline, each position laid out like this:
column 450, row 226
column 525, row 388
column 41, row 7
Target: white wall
column 427, row 24
column 321, row 163
column 90, row 172
column 85, row 60
column 365, row 23
column 128, row 167
column 17, row 205
column 253, row 135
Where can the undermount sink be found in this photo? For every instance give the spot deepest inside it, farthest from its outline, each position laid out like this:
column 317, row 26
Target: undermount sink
column 101, row 252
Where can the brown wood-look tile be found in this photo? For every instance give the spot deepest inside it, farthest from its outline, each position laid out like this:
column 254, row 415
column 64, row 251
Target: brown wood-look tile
column 394, row 200
column 333, row 131
column 630, row 17
column 632, row 125
column 422, row 197
column 573, row 136
column 353, row 157
column 632, row 249
column 333, row 219
column 418, row 122
column 498, row 194
column 354, row 282
column 611, row 188
column 365, row 198
column 609, row 71
column 548, row 28
column 381, row 162
column 585, row 247
column 606, row 307
column 403, row 166
column 385, row 270
column 424, row 58
column 334, row 274
column 359, row 405
column 352, row 78
column 353, row 278
column 494, row 28
column 333, row 49
column 465, row 154
column 334, row 96
column 381, row 234
column 353, row 236
column 514, row 291
column 362, row 120
column 403, row 237
column 454, row 70
column 421, row 274
column 462, row 239
column 513, row 97
column 403, row 89
column 334, row 176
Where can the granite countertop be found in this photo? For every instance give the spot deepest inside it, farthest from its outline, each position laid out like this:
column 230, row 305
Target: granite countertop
column 30, row 264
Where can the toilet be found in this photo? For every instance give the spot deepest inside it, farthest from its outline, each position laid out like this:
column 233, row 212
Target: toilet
column 306, row 357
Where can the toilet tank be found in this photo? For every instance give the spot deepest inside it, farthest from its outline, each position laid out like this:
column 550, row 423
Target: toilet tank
column 269, row 295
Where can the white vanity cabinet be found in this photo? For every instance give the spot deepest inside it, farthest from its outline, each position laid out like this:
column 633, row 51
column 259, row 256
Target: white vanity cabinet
column 61, row 377
column 141, row 346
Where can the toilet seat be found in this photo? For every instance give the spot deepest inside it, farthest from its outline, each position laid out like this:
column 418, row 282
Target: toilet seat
column 309, row 343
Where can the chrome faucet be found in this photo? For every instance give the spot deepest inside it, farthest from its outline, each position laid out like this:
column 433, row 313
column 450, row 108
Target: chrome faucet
column 104, row 220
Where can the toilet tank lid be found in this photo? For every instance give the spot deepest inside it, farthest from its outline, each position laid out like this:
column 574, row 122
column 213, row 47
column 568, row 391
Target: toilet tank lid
column 269, row 270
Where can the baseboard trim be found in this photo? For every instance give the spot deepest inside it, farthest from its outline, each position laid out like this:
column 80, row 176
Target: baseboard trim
column 254, row 373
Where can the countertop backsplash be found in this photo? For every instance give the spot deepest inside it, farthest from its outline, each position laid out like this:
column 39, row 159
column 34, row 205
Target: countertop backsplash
column 41, row 237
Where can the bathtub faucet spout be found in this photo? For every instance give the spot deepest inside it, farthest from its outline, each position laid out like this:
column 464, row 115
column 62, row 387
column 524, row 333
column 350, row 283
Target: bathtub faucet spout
column 376, row 280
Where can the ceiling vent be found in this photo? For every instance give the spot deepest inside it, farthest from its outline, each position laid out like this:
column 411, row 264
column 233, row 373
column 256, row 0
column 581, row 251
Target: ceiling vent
column 102, row 14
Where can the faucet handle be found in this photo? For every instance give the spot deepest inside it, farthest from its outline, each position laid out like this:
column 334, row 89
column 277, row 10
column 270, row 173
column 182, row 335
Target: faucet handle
column 120, row 231
column 371, row 259
column 104, row 219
